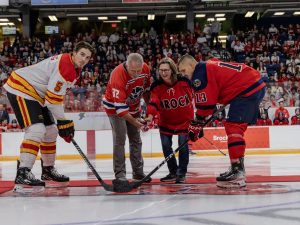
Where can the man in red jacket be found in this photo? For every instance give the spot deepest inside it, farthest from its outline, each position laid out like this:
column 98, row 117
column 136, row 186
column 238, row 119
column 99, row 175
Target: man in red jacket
column 226, row 83
column 129, row 82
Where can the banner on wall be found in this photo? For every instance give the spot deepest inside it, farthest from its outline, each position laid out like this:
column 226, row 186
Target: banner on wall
column 257, row 137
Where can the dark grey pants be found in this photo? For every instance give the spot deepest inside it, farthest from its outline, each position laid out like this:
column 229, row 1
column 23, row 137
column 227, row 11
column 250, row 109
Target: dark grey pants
column 121, row 128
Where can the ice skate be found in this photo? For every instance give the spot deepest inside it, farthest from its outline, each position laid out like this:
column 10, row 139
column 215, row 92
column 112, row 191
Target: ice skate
column 53, row 178
column 26, row 182
column 235, row 177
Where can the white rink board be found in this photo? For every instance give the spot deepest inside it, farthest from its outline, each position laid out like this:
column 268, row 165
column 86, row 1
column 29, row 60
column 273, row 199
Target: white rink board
column 281, row 137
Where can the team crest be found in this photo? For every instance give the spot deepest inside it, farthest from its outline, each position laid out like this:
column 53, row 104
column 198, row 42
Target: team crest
column 197, row 83
column 171, row 91
column 58, row 86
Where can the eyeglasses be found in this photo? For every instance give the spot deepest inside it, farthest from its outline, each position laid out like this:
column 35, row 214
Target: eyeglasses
column 164, row 70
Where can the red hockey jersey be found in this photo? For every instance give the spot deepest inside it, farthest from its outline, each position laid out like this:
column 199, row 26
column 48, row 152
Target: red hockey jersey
column 264, row 122
column 123, row 93
column 219, row 82
column 295, row 120
column 174, row 104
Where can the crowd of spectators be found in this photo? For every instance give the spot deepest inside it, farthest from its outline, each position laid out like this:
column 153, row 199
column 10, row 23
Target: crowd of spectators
column 273, row 51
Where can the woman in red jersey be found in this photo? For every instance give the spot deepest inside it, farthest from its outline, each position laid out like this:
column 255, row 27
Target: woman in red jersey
column 172, row 99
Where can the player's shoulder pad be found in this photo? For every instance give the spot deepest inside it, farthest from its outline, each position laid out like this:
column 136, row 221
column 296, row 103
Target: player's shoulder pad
column 199, row 78
column 67, row 68
column 155, row 84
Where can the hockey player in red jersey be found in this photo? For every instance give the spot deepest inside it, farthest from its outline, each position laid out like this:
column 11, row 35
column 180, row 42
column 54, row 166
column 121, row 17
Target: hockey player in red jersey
column 36, row 94
column 226, row 83
column 129, row 82
column 172, row 99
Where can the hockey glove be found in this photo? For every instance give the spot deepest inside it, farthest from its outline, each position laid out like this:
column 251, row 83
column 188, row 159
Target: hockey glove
column 195, row 131
column 66, row 129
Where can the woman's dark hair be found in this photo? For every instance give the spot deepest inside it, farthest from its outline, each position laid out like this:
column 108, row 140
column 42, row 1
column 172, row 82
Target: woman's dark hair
column 173, row 68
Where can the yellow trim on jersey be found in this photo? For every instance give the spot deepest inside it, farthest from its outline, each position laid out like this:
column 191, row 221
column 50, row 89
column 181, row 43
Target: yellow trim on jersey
column 23, row 86
column 24, row 111
column 53, row 98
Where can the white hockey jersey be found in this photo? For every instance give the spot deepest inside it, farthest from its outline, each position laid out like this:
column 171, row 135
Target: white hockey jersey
column 45, row 82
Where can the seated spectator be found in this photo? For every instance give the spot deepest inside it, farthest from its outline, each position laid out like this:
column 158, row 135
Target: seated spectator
column 219, row 121
column 3, row 114
column 282, row 110
column 295, row 120
column 263, row 120
column 14, row 126
column 263, row 109
column 280, row 120
column 3, row 126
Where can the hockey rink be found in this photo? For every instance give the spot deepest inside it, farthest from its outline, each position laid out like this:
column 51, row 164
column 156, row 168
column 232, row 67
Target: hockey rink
column 272, row 195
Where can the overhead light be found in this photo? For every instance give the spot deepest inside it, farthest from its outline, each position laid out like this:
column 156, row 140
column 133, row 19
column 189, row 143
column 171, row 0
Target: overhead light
column 296, row 13
column 220, row 15
column 20, row 19
column 151, row 16
column 7, row 24
column 180, row 16
column 102, row 18
column 122, row 17
column 221, row 19
column 279, row 13
column 200, row 15
column 83, row 18
column 210, row 19
column 249, row 14
column 4, row 20
column 111, row 21
column 53, row 18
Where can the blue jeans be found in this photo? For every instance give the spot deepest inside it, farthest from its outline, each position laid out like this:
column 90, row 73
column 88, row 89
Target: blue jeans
column 166, row 141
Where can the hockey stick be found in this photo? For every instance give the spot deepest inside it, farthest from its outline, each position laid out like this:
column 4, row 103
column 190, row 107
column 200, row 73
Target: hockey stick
column 106, row 186
column 139, row 183
column 212, row 144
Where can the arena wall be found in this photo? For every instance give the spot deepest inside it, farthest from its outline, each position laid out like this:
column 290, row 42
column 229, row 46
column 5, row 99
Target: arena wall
column 273, row 139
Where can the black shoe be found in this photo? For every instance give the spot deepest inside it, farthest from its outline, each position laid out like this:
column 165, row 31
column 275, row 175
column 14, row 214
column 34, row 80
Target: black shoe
column 26, row 177
column 49, row 173
column 169, row 178
column 139, row 177
column 180, row 179
column 234, row 178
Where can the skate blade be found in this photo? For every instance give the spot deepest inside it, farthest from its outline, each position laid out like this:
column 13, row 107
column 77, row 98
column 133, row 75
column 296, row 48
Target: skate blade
column 231, row 184
column 23, row 188
column 55, row 184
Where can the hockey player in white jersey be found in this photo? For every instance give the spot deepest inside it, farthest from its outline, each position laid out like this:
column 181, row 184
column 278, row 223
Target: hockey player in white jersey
column 36, row 94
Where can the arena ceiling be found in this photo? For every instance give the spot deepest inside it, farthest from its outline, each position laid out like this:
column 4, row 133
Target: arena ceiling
column 97, row 8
